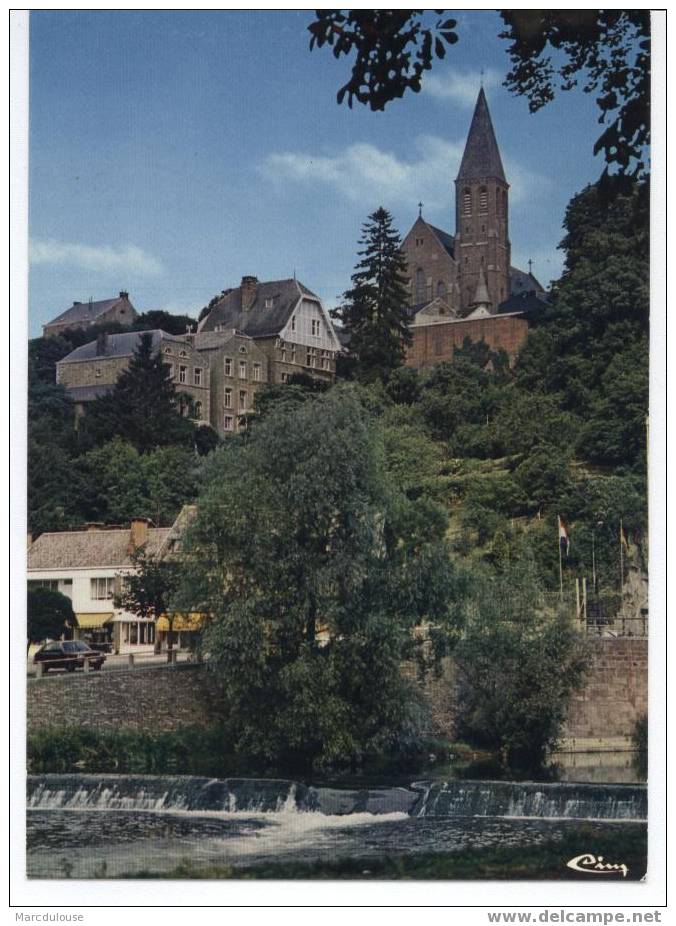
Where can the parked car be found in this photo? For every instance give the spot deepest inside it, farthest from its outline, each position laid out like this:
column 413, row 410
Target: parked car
column 67, row 654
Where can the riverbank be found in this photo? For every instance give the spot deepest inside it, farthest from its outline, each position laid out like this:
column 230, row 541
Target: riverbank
column 626, row 844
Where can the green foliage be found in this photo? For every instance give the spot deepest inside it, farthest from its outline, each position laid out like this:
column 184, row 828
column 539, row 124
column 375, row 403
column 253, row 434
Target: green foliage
column 141, row 409
column 49, row 615
column 375, row 312
column 607, row 50
column 519, row 663
column 151, row 590
column 315, row 568
column 393, row 49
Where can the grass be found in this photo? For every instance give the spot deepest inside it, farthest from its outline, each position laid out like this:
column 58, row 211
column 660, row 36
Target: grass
column 546, row 862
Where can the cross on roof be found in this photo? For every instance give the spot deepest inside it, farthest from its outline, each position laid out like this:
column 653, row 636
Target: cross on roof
column 420, row 207
column 530, row 265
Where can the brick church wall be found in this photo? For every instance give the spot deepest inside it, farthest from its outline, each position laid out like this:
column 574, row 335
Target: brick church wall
column 436, row 343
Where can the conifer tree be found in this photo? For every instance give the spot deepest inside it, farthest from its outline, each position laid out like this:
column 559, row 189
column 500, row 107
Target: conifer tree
column 375, row 308
column 141, row 408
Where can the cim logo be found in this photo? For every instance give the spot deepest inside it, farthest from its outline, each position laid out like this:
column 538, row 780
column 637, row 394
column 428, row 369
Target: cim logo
column 594, row 865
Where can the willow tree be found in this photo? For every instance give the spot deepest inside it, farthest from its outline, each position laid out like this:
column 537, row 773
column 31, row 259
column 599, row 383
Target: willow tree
column 315, row 570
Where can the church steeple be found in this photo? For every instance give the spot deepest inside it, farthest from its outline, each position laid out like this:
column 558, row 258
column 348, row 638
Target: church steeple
column 481, row 158
column 482, row 247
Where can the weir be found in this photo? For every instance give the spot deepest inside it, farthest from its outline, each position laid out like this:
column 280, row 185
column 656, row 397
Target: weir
column 435, row 799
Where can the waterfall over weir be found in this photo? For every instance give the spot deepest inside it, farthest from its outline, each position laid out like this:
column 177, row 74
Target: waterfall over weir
column 428, row 799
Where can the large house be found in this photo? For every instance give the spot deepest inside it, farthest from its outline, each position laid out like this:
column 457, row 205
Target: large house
column 88, row 566
column 256, row 333
column 118, row 310
column 464, row 285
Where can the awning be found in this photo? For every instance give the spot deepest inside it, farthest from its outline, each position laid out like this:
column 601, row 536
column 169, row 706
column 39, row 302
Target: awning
column 192, row 621
column 89, row 621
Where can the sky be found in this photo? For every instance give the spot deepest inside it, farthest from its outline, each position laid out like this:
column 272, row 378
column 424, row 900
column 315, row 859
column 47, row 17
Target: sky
column 173, row 152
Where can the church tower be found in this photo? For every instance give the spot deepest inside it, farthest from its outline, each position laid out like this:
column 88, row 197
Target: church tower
column 482, row 247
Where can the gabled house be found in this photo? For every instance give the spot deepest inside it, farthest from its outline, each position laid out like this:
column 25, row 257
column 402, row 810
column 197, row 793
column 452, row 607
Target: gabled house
column 117, row 310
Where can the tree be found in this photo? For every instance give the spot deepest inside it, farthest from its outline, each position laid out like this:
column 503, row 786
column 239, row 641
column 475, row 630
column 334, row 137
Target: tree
column 375, row 310
column 314, row 569
column 519, row 663
column 50, row 614
column 150, row 590
column 141, row 408
column 608, row 49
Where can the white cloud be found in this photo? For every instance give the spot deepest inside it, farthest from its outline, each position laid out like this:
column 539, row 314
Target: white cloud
column 369, row 175
column 103, row 259
column 461, row 88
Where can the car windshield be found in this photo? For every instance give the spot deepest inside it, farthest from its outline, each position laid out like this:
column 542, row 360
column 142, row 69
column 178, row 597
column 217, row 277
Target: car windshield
column 75, row 647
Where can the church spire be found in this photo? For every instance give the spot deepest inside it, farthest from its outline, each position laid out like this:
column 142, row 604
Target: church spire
column 482, row 155
column 481, row 296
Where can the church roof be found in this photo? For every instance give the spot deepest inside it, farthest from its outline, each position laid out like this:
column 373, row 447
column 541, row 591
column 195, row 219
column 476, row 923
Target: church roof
column 257, row 320
column 522, row 282
column 482, row 155
column 85, row 311
column 447, row 241
column 523, row 302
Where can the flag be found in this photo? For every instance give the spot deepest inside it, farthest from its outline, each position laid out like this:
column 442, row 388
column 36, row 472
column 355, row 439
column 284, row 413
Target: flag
column 564, row 541
column 623, row 538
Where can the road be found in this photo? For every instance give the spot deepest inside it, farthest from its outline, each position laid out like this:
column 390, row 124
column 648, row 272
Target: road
column 116, row 663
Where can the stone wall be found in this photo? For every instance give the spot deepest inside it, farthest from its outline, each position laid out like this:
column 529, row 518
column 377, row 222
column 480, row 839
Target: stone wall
column 142, row 699
column 602, row 716
column 436, row 343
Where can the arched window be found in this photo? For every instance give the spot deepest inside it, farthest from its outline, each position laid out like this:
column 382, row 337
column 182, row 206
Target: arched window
column 483, row 199
column 466, row 202
column 420, row 287
column 441, row 289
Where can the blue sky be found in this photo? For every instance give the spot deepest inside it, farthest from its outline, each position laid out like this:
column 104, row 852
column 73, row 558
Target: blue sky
column 173, row 152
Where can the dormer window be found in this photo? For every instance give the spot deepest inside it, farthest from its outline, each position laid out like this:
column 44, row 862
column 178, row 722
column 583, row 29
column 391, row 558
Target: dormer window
column 242, row 349
column 269, row 302
column 182, row 353
column 167, row 350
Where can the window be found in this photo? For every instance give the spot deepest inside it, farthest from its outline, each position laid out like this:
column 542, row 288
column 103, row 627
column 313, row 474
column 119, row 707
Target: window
column 242, row 349
column 198, row 411
column 293, row 353
column 183, row 374
column 228, row 423
column 182, row 353
column 242, row 400
column 97, row 372
column 227, row 366
column 483, row 199
column 441, row 289
column 51, row 584
column 268, row 302
column 283, row 353
column 315, row 328
column 293, row 322
column 171, row 372
column 257, row 372
column 326, row 355
column 242, row 369
column 466, row 202
column 227, row 398
column 285, row 377
column 312, row 356
column 167, row 350
column 102, row 589
column 419, row 242
column 198, row 376
column 420, row 287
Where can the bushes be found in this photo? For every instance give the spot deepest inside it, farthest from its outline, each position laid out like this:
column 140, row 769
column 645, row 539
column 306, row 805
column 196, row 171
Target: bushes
column 189, row 751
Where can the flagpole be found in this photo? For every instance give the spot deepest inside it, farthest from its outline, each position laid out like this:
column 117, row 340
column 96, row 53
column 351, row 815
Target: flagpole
column 560, row 562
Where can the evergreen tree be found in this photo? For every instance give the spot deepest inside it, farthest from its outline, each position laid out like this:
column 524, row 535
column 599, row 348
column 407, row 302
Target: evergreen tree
column 375, row 309
column 141, row 408
column 49, row 614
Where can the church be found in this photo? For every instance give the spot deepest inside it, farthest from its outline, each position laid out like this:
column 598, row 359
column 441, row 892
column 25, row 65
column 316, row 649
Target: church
column 464, row 285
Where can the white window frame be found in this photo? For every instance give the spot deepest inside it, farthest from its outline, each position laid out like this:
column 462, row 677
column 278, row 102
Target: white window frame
column 228, row 423
column 182, row 374
column 242, row 366
column 257, row 372
column 197, row 376
column 227, row 398
column 227, row 366
column 243, row 400
column 102, row 588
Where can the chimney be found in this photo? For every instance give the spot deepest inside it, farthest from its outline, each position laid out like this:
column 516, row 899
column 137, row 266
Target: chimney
column 75, row 302
column 101, row 344
column 249, row 287
column 138, row 533
column 123, row 294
